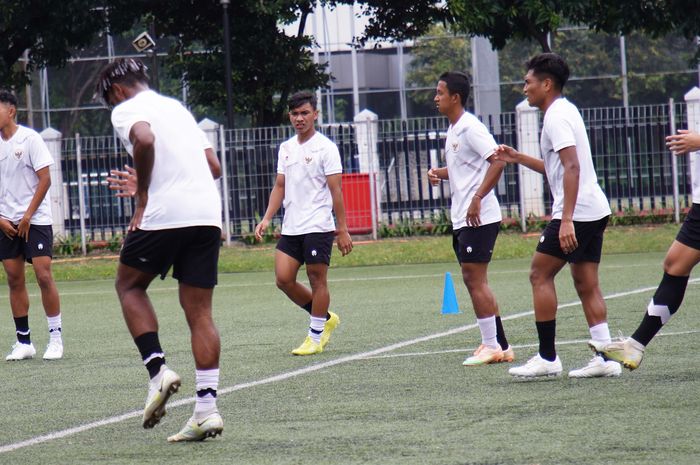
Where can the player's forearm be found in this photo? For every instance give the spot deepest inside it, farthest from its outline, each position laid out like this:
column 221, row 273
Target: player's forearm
column 493, row 174
column 274, row 203
column 42, row 189
column 339, row 210
column 442, row 173
column 144, row 156
column 570, row 182
column 535, row 164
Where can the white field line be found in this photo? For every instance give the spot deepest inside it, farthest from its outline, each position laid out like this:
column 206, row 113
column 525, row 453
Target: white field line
column 271, row 282
column 285, row 376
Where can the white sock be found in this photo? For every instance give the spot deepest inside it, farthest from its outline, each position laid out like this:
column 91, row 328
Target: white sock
column 487, row 326
column 600, row 332
column 54, row 326
column 206, row 403
column 316, row 326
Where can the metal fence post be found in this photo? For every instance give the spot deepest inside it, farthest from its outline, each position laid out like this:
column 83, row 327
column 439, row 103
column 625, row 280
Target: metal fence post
column 81, row 194
column 224, row 184
column 531, row 182
column 52, row 138
column 674, row 163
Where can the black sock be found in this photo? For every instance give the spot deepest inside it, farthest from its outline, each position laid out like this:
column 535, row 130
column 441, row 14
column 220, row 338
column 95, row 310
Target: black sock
column 307, row 307
column 546, row 331
column 151, row 352
column 501, row 334
column 22, row 330
column 669, row 294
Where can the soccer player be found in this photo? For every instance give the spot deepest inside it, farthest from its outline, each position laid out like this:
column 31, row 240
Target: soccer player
column 680, row 260
column 176, row 222
column 580, row 214
column 26, row 223
column 308, row 184
column 476, row 215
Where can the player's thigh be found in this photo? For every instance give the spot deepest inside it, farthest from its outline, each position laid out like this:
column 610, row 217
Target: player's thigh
column 544, row 267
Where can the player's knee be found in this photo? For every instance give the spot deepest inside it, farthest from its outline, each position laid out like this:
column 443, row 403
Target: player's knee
column 284, row 284
column 44, row 279
column 15, row 281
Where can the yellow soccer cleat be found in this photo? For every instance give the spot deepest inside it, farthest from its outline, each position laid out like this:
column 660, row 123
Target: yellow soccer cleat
column 198, row 430
column 627, row 351
column 328, row 328
column 308, row 347
column 165, row 384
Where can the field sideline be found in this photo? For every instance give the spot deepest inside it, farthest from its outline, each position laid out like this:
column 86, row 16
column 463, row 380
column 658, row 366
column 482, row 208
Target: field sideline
column 389, row 389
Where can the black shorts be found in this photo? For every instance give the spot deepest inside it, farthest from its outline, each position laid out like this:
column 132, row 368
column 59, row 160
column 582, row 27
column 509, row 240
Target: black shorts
column 40, row 244
column 589, row 235
column 193, row 252
column 475, row 244
column 689, row 233
column 311, row 248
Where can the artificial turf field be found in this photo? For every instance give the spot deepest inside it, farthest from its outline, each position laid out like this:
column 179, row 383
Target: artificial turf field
column 389, row 389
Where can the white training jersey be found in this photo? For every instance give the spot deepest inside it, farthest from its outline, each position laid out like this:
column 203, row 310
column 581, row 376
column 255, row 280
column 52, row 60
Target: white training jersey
column 695, row 177
column 182, row 192
column 563, row 127
column 308, row 204
column 467, row 149
column 20, row 158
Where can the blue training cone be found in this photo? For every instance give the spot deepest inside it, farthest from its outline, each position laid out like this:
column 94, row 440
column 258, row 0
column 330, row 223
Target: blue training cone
column 449, row 298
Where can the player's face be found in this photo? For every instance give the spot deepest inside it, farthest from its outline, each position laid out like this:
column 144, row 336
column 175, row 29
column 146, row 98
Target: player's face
column 443, row 100
column 303, row 118
column 534, row 90
column 7, row 114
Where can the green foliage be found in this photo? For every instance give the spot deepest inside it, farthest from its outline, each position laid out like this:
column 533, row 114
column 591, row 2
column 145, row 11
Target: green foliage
column 69, row 245
column 114, row 244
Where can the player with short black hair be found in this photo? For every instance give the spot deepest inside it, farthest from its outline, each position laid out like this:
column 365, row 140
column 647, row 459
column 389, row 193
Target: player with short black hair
column 308, row 185
column 26, row 223
column 681, row 258
column 176, row 223
column 473, row 173
column 580, row 214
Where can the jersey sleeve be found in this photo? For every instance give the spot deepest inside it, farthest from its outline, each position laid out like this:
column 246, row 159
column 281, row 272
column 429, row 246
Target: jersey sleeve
column 480, row 140
column 561, row 132
column 281, row 155
column 39, row 154
column 331, row 160
column 124, row 117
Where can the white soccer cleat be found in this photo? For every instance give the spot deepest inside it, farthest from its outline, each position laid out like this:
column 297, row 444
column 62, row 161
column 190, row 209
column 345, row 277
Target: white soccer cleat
column 198, row 430
column 54, row 350
column 626, row 351
column 537, row 367
column 21, row 352
column 597, row 367
column 160, row 388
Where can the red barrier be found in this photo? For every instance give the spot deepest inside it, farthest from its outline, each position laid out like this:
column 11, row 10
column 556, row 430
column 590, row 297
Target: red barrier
column 358, row 203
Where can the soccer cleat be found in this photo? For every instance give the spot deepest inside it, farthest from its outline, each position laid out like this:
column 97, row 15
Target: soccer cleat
column 308, row 347
column 160, row 388
column 54, row 350
column 328, row 328
column 198, row 430
column 626, row 351
column 537, row 367
column 483, row 356
column 21, row 352
column 597, row 367
column 508, row 355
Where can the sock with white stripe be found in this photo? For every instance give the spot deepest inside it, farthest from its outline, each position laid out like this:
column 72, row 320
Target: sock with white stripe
column 316, row 326
column 206, row 385
column 487, row 326
column 151, row 352
column 22, row 330
column 666, row 301
column 54, row 326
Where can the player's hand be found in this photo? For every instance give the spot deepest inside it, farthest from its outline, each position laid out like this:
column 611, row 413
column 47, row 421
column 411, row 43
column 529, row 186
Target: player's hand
column 683, row 142
column 506, row 154
column 344, row 242
column 474, row 212
column 260, row 228
column 23, row 228
column 567, row 236
column 433, row 177
column 8, row 228
column 123, row 182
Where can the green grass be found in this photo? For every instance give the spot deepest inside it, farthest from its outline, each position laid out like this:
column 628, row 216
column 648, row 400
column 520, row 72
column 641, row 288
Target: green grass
column 410, row 405
column 241, row 258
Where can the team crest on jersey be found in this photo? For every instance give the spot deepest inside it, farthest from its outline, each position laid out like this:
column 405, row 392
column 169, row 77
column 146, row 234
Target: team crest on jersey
column 19, row 153
column 455, row 146
column 308, row 160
